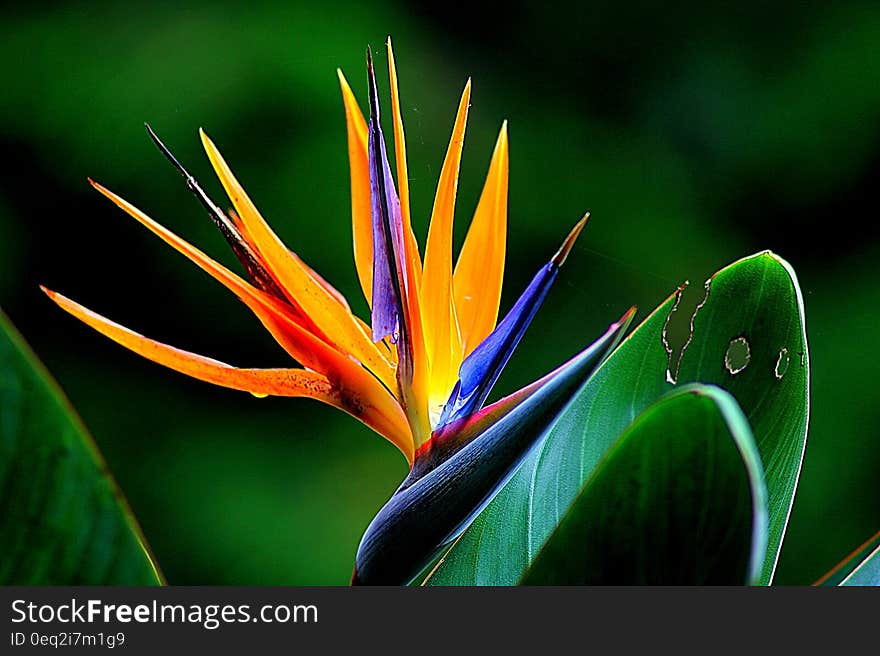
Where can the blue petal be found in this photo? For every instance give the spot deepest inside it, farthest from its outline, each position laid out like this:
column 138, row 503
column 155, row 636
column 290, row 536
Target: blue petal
column 426, row 514
column 483, row 366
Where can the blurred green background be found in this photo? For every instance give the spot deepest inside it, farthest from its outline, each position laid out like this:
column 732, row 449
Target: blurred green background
column 695, row 135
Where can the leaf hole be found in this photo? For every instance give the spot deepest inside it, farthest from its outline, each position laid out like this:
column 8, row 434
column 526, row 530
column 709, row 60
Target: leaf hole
column 782, row 363
column 678, row 331
column 738, row 355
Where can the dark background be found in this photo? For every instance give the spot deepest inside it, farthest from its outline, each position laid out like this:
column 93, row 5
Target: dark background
column 695, row 135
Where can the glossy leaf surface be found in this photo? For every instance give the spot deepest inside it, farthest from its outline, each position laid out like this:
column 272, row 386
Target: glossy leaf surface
column 679, row 499
column 63, row 520
column 756, row 300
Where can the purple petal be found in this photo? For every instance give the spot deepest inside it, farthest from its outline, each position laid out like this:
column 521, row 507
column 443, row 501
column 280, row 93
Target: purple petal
column 483, row 366
column 385, row 316
column 388, row 261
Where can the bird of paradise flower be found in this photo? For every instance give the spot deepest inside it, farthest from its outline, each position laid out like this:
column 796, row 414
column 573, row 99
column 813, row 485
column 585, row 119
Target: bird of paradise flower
column 420, row 372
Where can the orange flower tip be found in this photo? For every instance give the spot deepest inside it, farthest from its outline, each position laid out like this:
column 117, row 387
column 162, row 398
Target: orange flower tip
column 48, row 292
column 101, row 188
column 501, row 142
column 568, row 244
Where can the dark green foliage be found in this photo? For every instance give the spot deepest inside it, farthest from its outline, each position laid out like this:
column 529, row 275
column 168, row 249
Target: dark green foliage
column 62, row 518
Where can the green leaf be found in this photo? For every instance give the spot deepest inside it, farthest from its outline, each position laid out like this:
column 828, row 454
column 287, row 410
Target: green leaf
column 757, row 299
column 861, row 567
column 679, row 499
column 63, row 520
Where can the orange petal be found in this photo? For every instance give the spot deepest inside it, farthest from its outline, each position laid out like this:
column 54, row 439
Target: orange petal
column 416, row 386
column 303, row 345
column 267, row 308
column 389, row 350
column 385, row 418
column 442, row 337
column 480, row 268
column 413, row 258
column 359, row 166
column 334, row 320
column 319, row 279
column 412, row 367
